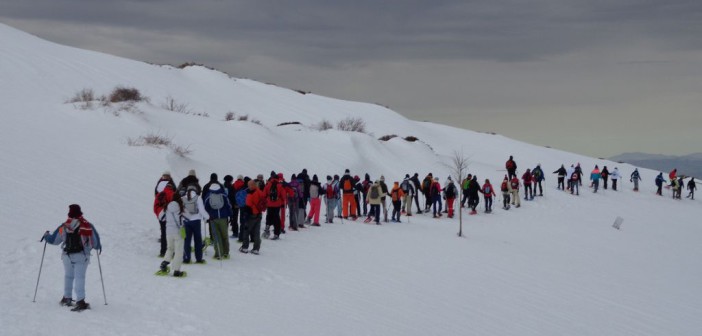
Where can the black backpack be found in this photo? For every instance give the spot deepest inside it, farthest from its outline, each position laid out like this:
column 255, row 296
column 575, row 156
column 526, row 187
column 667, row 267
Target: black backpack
column 73, row 243
column 273, row 192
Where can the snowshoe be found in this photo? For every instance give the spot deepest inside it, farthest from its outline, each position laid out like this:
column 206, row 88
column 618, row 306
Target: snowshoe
column 163, row 272
column 267, row 233
column 66, row 302
column 164, row 265
column 226, row 257
column 367, row 220
column 81, row 306
column 243, row 250
column 276, row 237
column 254, row 252
column 180, row 274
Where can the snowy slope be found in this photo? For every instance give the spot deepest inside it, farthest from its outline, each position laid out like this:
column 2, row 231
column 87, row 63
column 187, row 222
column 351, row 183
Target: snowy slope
column 552, row 267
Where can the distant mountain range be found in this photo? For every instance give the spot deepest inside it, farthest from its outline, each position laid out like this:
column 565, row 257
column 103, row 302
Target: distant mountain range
column 688, row 165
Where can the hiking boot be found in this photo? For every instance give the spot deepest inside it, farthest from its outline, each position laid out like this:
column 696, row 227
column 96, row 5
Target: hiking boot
column 186, row 261
column 276, row 237
column 225, row 257
column 178, row 274
column 315, row 224
column 66, row 302
column 282, row 231
column 81, row 306
column 243, row 250
column 301, row 226
column 161, row 255
column 308, row 221
column 202, row 262
column 164, row 266
column 254, row 252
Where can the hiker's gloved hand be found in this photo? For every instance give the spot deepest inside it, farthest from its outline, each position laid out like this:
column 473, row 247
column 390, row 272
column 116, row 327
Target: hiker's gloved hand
column 44, row 236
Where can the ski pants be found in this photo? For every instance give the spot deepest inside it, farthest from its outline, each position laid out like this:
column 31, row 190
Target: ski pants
column 385, row 208
column 219, row 229
column 614, row 184
column 315, row 205
column 574, row 187
column 505, row 200
column 636, row 185
column 465, row 198
column 175, row 248
column 396, row 206
column 488, row 203
column 596, row 185
column 75, row 266
column 331, row 204
column 282, row 218
column 437, row 200
column 528, row 191
column 292, row 211
column 193, row 231
column 357, row 199
column 541, row 189
column 349, row 203
column 416, row 200
column 515, row 197
column 273, row 219
column 375, row 211
column 407, row 199
column 511, row 173
column 365, row 204
column 252, row 232
column 338, row 206
column 604, row 182
column 449, row 205
column 164, row 243
column 561, row 182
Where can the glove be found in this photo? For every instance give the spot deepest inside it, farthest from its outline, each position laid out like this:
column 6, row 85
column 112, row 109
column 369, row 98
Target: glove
column 44, row 236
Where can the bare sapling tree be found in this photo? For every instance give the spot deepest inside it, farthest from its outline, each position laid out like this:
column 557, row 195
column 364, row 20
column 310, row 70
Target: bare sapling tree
column 458, row 166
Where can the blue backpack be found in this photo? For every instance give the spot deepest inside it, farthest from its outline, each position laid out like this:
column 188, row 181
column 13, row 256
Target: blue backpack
column 241, row 197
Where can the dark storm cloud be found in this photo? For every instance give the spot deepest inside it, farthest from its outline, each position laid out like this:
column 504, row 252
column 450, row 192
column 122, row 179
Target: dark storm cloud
column 338, row 33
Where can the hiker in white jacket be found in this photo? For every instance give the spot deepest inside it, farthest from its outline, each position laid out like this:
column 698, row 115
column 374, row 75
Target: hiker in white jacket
column 615, row 176
column 194, row 214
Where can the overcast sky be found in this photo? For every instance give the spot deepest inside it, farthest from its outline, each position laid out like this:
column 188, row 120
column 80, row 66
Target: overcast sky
column 598, row 77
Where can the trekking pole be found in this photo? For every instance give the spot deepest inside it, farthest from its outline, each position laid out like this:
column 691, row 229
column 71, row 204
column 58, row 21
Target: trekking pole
column 104, row 296
column 40, row 267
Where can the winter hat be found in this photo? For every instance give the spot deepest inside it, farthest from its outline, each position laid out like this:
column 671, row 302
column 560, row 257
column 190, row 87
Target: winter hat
column 191, row 172
column 166, row 173
column 280, row 176
column 382, row 178
column 74, row 211
column 259, row 177
column 407, row 176
column 356, row 178
column 247, row 179
column 506, row 178
column 329, row 178
column 239, row 177
column 228, row 179
column 213, row 177
column 436, row 179
column 293, row 177
column 336, row 177
column 449, row 178
column 346, row 172
column 273, row 174
column 314, row 178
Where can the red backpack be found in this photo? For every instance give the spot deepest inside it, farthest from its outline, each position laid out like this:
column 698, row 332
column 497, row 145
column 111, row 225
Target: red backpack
column 504, row 186
column 330, row 191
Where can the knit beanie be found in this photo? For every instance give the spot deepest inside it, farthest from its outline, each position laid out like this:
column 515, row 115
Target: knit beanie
column 191, row 172
column 213, row 177
column 74, row 211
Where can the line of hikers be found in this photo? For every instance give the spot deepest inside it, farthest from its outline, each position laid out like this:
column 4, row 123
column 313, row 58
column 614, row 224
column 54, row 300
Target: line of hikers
column 239, row 203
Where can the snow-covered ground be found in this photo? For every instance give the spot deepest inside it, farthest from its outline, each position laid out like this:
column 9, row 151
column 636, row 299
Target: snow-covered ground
column 555, row 266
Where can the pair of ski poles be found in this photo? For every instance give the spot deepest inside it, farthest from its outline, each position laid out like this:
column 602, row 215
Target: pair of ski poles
column 42, row 264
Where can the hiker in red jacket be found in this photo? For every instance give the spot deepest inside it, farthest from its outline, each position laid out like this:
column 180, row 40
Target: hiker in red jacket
column 488, row 193
column 511, row 167
column 527, row 178
column 274, row 194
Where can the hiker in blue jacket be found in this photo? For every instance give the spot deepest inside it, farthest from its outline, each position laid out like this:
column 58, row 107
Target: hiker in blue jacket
column 78, row 238
column 218, row 207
